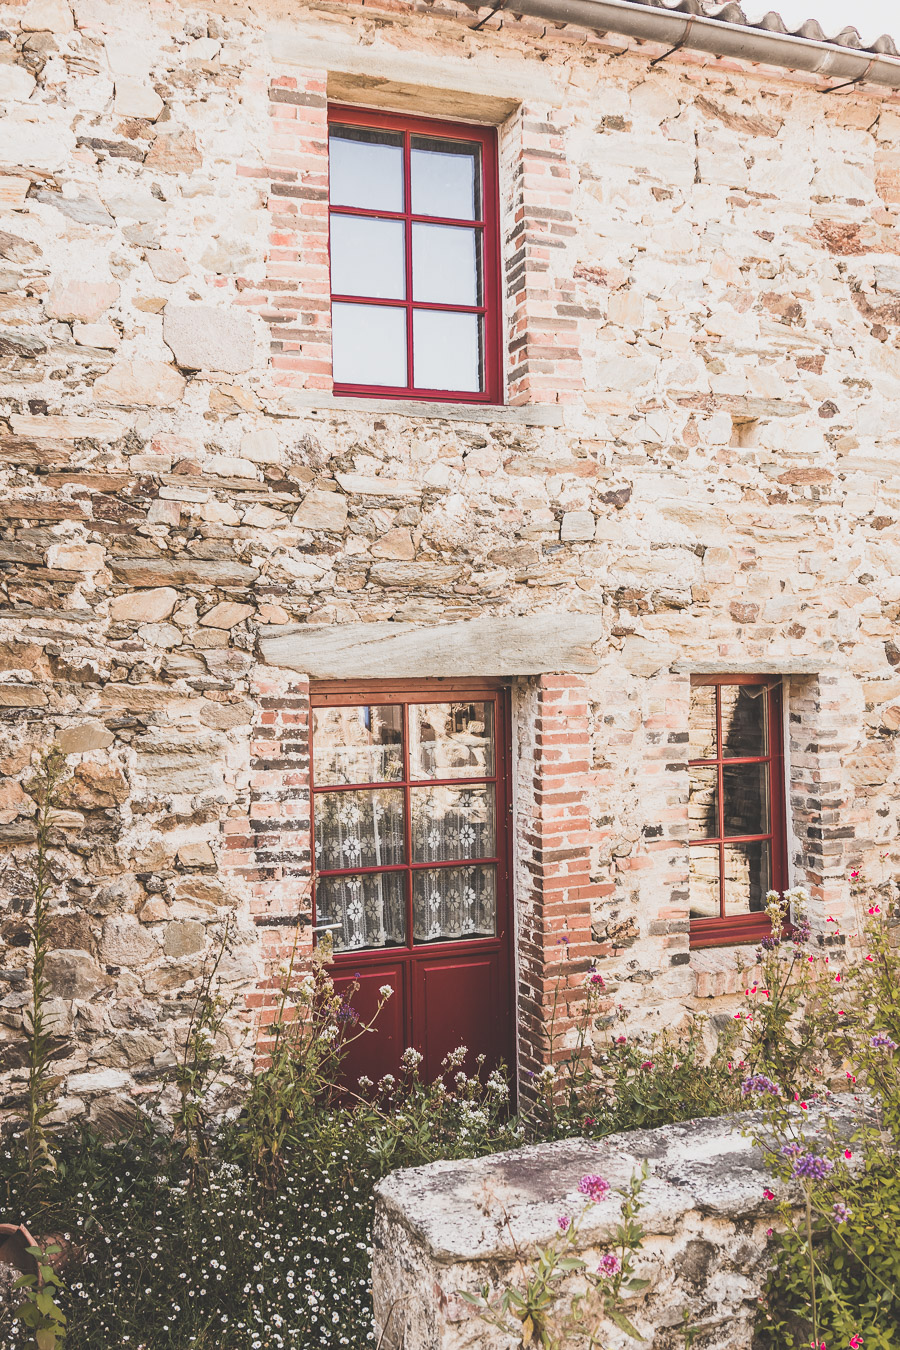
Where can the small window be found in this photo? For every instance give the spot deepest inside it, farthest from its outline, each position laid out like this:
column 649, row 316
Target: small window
column 736, row 805
column 414, row 249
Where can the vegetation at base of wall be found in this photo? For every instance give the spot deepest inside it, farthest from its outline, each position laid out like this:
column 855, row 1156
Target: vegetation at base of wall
column 253, row 1233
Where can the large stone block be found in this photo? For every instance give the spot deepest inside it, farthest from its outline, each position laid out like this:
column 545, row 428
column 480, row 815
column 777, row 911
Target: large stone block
column 125, row 943
column 84, row 301
column 204, row 338
column 144, row 606
column 160, row 572
column 52, row 16
column 534, row 645
column 140, row 383
column 321, row 511
column 73, row 974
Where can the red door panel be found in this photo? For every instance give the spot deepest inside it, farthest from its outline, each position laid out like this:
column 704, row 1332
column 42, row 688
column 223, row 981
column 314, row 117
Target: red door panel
column 456, row 1002
column 378, row 1051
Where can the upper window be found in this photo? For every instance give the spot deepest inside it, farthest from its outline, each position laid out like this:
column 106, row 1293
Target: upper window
column 414, row 248
column 736, row 808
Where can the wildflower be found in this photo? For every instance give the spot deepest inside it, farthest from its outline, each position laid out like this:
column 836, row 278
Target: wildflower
column 563, row 1222
column 589, row 1120
column 596, row 978
column 769, row 1232
column 790, row 1150
column 768, row 1195
column 410, row 1059
column 840, row 1212
column 848, row 1153
column 621, row 1040
column 609, row 1264
column 804, row 1106
column 647, row 1064
column 870, row 958
column 874, row 909
column 882, row 1041
column 386, row 991
column 759, row 1083
column 594, row 1187
column 811, row 1167
column 856, row 1341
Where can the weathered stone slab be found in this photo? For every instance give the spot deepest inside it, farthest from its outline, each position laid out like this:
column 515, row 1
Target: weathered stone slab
column 537, row 645
column 180, row 572
column 149, row 384
column 82, row 300
column 144, row 606
column 205, row 338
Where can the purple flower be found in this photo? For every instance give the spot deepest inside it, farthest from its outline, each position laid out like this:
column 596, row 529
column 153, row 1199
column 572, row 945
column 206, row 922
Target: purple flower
column 563, row 1222
column 790, row 1150
column 810, row 1166
column 769, row 944
column 759, row 1083
column 595, row 1188
column 609, row 1264
column 882, row 1041
column 840, row 1212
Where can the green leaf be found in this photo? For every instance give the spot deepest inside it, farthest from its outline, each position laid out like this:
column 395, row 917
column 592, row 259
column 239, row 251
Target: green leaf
column 622, row 1322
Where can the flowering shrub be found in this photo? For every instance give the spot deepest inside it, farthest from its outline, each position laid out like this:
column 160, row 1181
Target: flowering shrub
column 836, row 1272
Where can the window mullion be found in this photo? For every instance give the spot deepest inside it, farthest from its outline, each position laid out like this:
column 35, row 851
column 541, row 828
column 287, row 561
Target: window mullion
column 407, row 207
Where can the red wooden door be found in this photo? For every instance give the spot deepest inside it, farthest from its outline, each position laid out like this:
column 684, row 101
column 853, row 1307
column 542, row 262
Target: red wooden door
column 411, row 800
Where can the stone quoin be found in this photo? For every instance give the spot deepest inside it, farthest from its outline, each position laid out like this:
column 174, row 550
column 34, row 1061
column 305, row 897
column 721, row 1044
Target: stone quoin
column 529, row 554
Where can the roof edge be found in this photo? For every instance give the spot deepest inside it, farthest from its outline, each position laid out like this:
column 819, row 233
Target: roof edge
column 688, row 26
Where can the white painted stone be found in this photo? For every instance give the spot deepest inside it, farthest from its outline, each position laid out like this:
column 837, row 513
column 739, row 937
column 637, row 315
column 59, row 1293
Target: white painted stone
column 140, row 383
column 134, row 98
column 577, row 525
column 207, row 338
column 166, row 265
column 76, row 557
column 52, row 16
column 261, row 447
column 16, row 83
column 164, row 635
column 101, row 1080
column 321, row 511
column 363, row 485
column 101, row 335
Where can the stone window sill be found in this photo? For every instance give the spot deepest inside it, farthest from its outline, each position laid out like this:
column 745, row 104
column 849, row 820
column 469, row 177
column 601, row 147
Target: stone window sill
column 539, row 415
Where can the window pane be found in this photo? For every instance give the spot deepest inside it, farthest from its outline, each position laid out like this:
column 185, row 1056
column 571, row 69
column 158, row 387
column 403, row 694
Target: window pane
column 367, row 257
column 446, row 178
column 366, row 168
column 446, row 265
column 451, row 740
column 368, row 344
column 359, row 829
column 702, row 722
column 454, row 902
column 358, row 745
column 747, row 877
column 704, row 886
column 446, row 351
column 452, row 822
column 703, row 812
column 746, row 799
column 743, row 719
column 362, row 911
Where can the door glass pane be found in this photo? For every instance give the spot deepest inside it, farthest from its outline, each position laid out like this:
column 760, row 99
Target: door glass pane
column 365, row 168
column 445, row 265
column 704, row 885
column 748, row 875
column 367, row 257
column 359, row 829
column 358, row 745
column 743, row 719
column 454, row 902
column 702, row 722
column 368, row 344
column 447, row 350
column 746, row 798
column 703, row 813
column 451, row 740
column 362, row 911
column 446, row 178
column 452, row 822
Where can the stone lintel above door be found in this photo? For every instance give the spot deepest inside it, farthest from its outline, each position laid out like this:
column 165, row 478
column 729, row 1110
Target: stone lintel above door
column 535, row 644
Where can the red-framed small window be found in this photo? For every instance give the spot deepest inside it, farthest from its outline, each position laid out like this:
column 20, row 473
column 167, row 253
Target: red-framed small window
column 736, row 813
column 414, row 251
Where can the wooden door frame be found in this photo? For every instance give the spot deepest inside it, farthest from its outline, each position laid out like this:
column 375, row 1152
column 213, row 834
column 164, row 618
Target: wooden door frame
column 337, row 693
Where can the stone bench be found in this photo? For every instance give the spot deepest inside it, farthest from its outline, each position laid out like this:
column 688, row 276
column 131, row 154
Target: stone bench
column 454, row 1226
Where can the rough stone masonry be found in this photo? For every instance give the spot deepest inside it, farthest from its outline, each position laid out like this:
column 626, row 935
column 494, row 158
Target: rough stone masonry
column 696, row 468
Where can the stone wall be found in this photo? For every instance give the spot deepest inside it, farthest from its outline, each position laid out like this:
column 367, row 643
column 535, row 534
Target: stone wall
column 698, row 463
column 454, row 1227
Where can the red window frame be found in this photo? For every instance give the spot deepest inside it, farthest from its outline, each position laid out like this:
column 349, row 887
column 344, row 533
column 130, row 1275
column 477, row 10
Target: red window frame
column 730, row 929
column 489, row 224
column 330, row 694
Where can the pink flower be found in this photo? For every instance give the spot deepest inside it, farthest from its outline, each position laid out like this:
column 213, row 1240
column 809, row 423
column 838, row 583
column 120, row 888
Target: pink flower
column 855, row 874
column 838, row 978
column 769, row 1232
column 873, row 909
column 848, row 1153
column 594, row 1187
column 563, row 1222
column 804, row 1106
column 870, row 958
column 768, row 1195
column 856, row 1341
column 621, row 1040
column 647, row 1064
column 609, row 1264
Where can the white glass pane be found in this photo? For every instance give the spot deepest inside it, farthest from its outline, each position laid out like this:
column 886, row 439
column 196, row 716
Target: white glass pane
column 368, row 344
column 359, row 829
column 748, row 875
column 367, row 257
column 704, row 884
column 446, row 350
column 362, row 911
column 366, row 168
column 445, row 178
column 454, row 902
column 450, row 823
column 451, row 740
column 445, row 265
column 362, row 744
